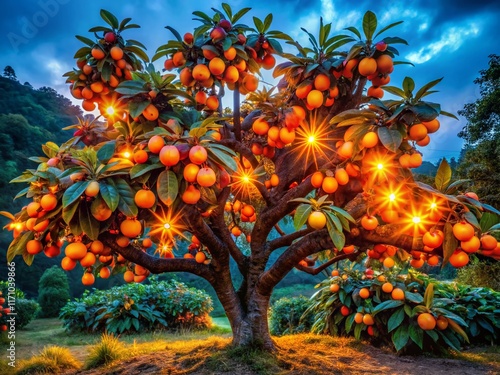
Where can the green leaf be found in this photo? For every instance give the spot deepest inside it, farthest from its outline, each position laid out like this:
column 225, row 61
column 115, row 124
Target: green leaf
column 389, row 304
column 106, row 152
column 131, row 88
column 400, row 337
column 89, row 225
column 240, row 14
column 141, row 169
column 69, row 211
column 369, row 24
column 126, row 205
column 74, row 192
column 443, row 175
column 408, row 86
column 267, row 21
column 387, row 28
column 208, row 195
column 18, row 246
column 448, row 114
column 390, row 138
column 417, row 335
column 413, row 297
column 109, row 193
column 395, row 40
column 426, row 88
column 258, row 25
column 136, row 108
column 338, row 238
column 220, row 157
column 167, row 187
column 472, row 220
column 110, row 19
column 84, row 40
column 450, row 243
column 138, row 52
column 395, row 91
column 357, row 331
column 355, row 31
column 395, row 320
column 488, row 220
column 429, row 295
column 301, row 215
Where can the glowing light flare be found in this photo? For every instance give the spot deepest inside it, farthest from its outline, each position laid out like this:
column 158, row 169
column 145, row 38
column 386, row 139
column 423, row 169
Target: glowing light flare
column 380, row 166
column 416, row 219
column 168, row 226
column 312, row 141
column 244, row 182
column 433, row 206
column 126, row 154
column 110, row 111
column 392, row 197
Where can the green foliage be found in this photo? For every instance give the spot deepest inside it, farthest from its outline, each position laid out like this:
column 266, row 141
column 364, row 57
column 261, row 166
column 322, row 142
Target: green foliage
column 53, row 292
column 4, row 288
column 480, row 274
column 104, row 352
column 137, row 307
column 26, row 310
column 286, row 316
column 472, row 313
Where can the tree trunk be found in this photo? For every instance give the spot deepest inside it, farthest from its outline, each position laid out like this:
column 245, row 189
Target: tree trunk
column 253, row 329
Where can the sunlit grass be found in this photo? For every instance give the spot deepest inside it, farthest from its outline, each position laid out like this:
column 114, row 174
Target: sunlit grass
column 108, row 350
column 51, row 360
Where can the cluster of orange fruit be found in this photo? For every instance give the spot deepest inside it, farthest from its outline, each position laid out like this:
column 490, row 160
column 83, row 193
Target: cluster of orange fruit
column 6, row 311
column 201, row 67
column 91, row 84
column 246, row 212
column 276, row 134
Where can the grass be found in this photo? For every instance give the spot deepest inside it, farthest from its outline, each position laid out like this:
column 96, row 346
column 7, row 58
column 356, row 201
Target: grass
column 106, row 351
column 52, row 359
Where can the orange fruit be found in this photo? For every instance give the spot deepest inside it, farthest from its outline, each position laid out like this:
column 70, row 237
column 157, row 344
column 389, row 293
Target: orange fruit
column 92, row 189
column 367, row 66
column 33, row 209
column 329, row 185
column 140, row 156
column 145, row 198
column 67, row 264
column 432, row 126
column 303, row 90
column 128, row 276
column 230, row 53
column 169, row 155
column 368, row 320
column 201, row 97
column 186, row 77
column 426, row 321
column 415, row 160
column 334, row 288
column 287, row 136
column 201, row 72
column 150, row 113
column 424, row 142
column 387, row 287
column 131, row 228
column 96, row 247
column 432, row 239
column 317, row 220
column 104, row 273
column 341, row 176
column 76, row 250
column 123, row 241
column 388, row 262
column 389, row 216
column 358, row 318
column 268, row 62
column 459, row 259
column 48, row 202
column 200, row 257
column 463, row 231
column 178, row 59
column 155, row 144
column 88, row 260
column 385, row 64
column 52, row 251
column 417, row 132
column 315, row 98
column 398, row 294
column 250, row 82
column 275, row 180
column 322, row 82
column 198, row 155
column 488, row 242
column 442, row 323
column 116, row 53
column 190, row 172
column 375, row 92
column 231, row 74
column 216, row 67
column 346, row 150
column 433, row 260
column 317, row 179
column 369, row 140
column 191, row 195
column 98, row 53
column 369, row 222
column 212, row 102
column 206, row 177
column 364, row 293
column 34, row 247
column 260, row 126
column 472, row 245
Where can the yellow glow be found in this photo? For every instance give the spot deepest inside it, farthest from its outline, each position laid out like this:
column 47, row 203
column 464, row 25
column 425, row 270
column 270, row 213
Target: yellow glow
column 245, row 179
column 380, row 166
column 110, row 111
column 312, row 139
column 392, row 197
column 167, row 226
column 433, row 205
column 416, row 219
column 18, row 226
column 127, row 154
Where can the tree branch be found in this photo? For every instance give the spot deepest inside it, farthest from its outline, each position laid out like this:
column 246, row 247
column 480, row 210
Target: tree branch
column 279, row 230
column 158, row 265
column 236, row 113
column 338, row 258
column 288, row 239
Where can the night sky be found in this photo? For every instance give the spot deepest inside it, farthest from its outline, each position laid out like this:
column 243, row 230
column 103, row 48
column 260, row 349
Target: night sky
column 450, row 39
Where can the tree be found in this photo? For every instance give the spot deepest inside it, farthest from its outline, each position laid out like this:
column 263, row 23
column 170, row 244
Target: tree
column 53, row 292
column 482, row 135
column 8, row 72
column 165, row 169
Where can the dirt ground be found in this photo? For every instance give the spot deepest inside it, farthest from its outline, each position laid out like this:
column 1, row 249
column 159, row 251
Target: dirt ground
column 302, row 355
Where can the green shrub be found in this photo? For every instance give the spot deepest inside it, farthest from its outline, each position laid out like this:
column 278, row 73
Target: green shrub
column 138, row 307
column 4, row 288
column 53, row 292
column 26, row 310
column 480, row 274
column 286, row 316
column 104, row 352
column 472, row 314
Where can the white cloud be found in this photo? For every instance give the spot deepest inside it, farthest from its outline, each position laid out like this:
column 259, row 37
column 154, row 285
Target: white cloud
column 450, row 41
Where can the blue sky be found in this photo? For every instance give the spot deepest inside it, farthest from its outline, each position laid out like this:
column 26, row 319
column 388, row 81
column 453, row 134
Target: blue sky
column 450, row 39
